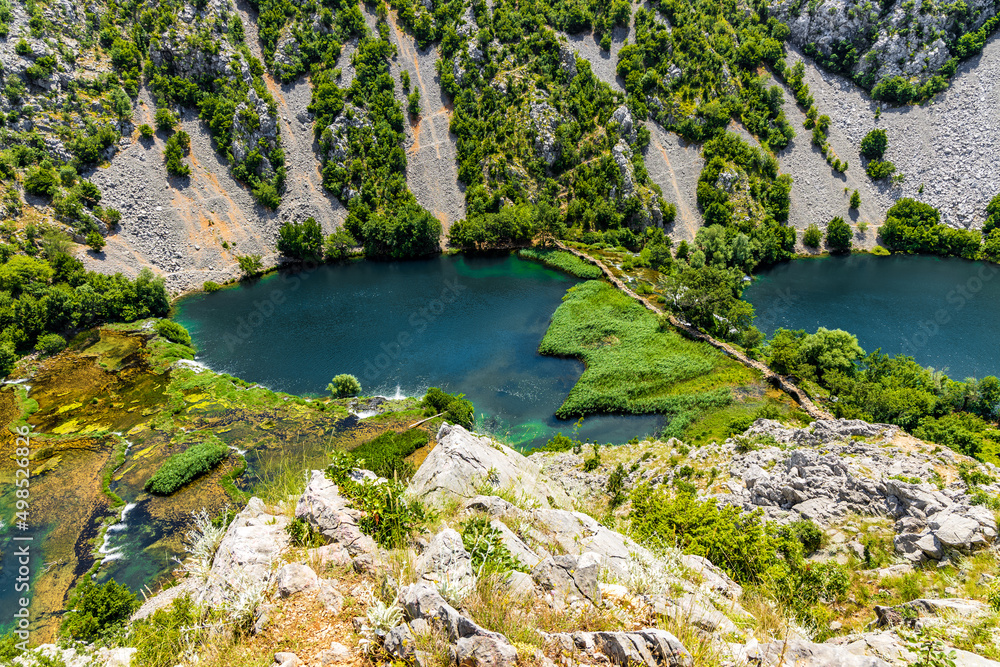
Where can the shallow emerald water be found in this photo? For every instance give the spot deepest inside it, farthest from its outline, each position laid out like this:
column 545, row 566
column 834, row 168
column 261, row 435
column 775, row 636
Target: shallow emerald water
column 944, row 312
column 466, row 324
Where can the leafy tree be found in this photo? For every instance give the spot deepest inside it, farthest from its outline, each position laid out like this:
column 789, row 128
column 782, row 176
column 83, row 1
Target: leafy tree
column 338, row 245
column 874, row 144
column 174, row 151
column 877, row 169
column 831, row 350
column 303, row 241
column 96, row 241
column 250, row 265
column 344, row 385
column 165, row 120
column 838, row 235
column 8, row 358
column 97, row 611
column 855, row 200
column 50, row 343
column 454, row 407
column 895, row 90
column 812, row 237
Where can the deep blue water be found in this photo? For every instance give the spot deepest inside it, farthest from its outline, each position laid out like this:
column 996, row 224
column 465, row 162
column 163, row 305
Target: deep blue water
column 465, row 324
column 944, row 312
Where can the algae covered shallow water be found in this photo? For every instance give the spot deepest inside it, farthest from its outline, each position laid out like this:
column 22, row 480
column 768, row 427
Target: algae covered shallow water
column 466, row 324
column 944, row 312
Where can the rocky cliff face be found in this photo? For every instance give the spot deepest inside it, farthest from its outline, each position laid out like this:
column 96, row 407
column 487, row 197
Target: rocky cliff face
column 872, row 41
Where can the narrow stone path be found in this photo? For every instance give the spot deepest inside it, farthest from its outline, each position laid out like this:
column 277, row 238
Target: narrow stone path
column 781, row 381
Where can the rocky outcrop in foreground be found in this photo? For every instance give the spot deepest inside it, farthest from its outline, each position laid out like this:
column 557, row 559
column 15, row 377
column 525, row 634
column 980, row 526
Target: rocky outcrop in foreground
column 831, row 473
column 664, row 608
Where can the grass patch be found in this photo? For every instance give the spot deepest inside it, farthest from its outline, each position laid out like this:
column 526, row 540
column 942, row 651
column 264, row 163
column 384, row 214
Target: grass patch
column 180, row 469
column 562, row 261
column 386, row 455
column 632, row 366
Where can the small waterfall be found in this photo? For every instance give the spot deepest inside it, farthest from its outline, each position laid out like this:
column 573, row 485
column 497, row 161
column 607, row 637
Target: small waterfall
column 109, row 552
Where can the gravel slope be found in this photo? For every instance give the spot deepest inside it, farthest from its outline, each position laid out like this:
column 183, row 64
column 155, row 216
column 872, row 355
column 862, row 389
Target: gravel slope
column 947, row 146
column 431, row 148
column 675, row 165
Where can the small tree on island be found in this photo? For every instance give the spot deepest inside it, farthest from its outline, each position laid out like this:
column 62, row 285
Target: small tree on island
column 344, row 386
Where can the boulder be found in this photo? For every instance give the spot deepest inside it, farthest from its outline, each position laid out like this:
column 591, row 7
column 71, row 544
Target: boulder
column 462, row 463
column 577, row 533
column 515, row 545
column 494, row 506
column 331, row 514
column 330, row 597
column 337, row 653
column 650, row 647
column 422, row 601
column 803, row 653
column 445, row 561
column 295, row 578
column 399, row 643
column 252, row 543
column 485, row 652
column 286, row 659
column 570, row 576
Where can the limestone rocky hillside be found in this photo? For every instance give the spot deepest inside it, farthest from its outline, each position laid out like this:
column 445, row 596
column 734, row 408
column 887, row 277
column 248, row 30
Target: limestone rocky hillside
column 261, row 113
column 887, row 544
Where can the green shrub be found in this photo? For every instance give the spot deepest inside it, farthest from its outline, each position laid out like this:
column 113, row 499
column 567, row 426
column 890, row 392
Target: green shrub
column 812, row 237
column 50, row 343
column 895, row 90
column 386, row 455
column 303, row 241
column 184, row 467
column 874, row 144
column 94, row 612
column 250, row 265
column 389, row 516
column 173, row 332
column 165, row 120
column 41, row 182
column 344, row 385
column 838, row 235
column 173, row 153
column 740, row 424
column 912, row 226
column 146, row 131
column 211, row 286
column 855, row 200
column 454, row 407
column 490, row 554
column 303, row 534
column 96, row 241
column 68, row 175
column 879, row 251
column 877, row 169
column 168, row 633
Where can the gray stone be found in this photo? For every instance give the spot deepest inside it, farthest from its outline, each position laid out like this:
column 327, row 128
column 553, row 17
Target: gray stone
column 330, row 513
column 803, row 653
column 491, row 505
column 330, row 597
column 337, row 653
column 285, row 659
column 568, row 576
column 445, row 561
column 461, row 462
column 399, row 643
column 578, row 533
column 295, row 578
column 422, row 601
column 485, row 652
